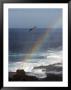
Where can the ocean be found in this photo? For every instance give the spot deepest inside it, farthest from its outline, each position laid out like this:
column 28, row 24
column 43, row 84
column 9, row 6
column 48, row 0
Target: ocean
column 30, row 49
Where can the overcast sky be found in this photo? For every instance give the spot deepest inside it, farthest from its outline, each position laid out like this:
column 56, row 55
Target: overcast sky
column 42, row 18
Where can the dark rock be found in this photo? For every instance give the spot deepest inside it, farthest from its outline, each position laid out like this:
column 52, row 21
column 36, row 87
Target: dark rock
column 21, row 76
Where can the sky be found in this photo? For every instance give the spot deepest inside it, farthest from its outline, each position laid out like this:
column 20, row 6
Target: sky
column 42, row 18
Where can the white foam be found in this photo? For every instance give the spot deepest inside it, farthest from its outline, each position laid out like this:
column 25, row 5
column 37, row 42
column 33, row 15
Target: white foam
column 51, row 57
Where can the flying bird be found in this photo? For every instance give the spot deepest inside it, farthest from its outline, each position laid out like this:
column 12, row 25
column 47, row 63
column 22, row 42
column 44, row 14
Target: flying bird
column 32, row 29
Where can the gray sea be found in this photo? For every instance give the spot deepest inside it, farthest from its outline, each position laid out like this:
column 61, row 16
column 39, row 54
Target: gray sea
column 47, row 52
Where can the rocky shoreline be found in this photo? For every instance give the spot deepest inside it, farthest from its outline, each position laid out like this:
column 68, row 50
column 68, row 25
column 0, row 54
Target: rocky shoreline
column 49, row 73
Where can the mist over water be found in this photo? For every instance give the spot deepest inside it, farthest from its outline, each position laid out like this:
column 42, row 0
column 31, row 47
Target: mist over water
column 21, row 42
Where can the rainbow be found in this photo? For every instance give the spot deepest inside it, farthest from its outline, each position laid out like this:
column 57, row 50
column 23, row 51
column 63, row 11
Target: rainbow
column 36, row 47
column 40, row 41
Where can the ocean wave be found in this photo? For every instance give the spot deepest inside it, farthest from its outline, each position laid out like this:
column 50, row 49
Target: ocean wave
column 43, row 59
column 41, row 72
